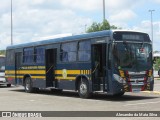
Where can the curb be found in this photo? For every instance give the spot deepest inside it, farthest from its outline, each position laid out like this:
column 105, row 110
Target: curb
column 152, row 92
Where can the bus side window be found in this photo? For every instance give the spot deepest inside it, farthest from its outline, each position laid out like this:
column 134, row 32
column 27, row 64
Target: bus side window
column 69, row 52
column 28, row 55
column 10, row 59
column 84, row 50
column 39, row 54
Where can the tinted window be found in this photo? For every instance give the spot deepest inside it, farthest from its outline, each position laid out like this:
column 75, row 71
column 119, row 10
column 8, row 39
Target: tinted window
column 84, row 52
column 2, row 61
column 2, row 64
column 10, row 57
column 39, row 54
column 28, row 55
column 69, row 52
column 85, row 45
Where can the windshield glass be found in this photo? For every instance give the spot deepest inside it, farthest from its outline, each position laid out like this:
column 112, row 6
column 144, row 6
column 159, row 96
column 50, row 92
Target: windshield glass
column 133, row 56
column 2, row 63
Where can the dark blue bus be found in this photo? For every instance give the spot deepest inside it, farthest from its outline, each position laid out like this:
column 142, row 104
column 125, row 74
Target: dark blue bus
column 112, row 62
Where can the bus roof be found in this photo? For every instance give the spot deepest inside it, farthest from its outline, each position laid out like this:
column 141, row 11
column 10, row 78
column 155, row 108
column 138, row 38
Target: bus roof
column 64, row 39
column 67, row 39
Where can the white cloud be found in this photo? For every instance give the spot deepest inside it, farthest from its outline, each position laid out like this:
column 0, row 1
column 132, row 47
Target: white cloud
column 41, row 18
column 30, row 22
column 145, row 26
column 157, row 1
column 85, row 5
column 127, row 15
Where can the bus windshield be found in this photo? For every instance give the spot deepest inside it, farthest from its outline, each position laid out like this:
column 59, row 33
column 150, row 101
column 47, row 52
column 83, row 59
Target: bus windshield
column 2, row 64
column 133, row 56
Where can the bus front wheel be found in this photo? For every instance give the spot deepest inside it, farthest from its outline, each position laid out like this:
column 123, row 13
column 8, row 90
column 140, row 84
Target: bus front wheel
column 119, row 94
column 28, row 85
column 8, row 85
column 83, row 89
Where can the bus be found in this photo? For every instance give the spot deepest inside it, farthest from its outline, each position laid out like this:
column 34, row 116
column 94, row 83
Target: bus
column 2, row 71
column 111, row 62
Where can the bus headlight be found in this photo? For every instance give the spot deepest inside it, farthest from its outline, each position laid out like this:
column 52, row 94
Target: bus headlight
column 150, row 79
column 118, row 78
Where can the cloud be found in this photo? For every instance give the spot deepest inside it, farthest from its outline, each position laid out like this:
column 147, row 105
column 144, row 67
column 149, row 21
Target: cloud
column 41, row 18
column 157, row 1
column 145, row 26
column 127, row 15
column 85, row 5
column 30, row 22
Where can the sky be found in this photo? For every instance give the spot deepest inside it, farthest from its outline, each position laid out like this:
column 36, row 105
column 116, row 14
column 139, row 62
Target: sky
column 35, row 20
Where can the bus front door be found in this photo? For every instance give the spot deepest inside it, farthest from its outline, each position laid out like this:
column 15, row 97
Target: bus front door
column 18, row 60
column 99, row 67
column 50, row 67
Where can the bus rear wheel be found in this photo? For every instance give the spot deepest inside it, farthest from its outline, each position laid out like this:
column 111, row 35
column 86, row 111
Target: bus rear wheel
column 83, row 89
column 8, row 85
column 28, row 85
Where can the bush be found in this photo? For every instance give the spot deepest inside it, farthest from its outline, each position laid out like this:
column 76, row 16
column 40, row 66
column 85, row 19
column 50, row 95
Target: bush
column 157, row 64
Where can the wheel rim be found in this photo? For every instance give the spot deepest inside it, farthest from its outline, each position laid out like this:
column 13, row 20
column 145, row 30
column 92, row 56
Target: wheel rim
column 27, row 84
column 83, row 88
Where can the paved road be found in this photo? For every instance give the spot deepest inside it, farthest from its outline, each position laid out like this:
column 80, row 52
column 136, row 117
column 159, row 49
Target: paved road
column 15, row 99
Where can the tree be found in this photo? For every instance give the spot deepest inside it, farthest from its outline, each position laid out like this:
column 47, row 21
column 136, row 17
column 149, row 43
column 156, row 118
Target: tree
column 2, row 52
column 157, row 64
column 100, row 26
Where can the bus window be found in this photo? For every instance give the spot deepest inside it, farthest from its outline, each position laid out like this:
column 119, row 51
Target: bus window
column 10, row 57
column 84, row 52
column 28, row 55
column 39, row 54
column 69, row 52
column 2, row 64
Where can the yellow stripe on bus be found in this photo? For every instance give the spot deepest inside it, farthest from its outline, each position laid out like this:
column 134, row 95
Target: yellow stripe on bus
column 31, row 72
column 74, row 72
column 67, row 78
column 68, row 71
column 10, row 72
column 25, row 72
column 35, row 77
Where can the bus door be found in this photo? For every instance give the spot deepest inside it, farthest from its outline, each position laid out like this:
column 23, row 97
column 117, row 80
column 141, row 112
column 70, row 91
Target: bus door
column 50, row 67
column 18, row 60
column 99, row 67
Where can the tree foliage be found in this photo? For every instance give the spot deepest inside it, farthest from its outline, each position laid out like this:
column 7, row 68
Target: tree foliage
column 2, row 52
column 100, row 26
column 157, row 64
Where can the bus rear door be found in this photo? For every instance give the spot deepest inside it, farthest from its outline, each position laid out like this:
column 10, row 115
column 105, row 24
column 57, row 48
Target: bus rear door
column 50, row 67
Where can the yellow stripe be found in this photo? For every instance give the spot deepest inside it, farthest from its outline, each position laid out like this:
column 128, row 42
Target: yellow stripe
column 10, row 72
column 31, row 72
column 38, row 77
column 68, row 71
column 81, row 71
column 35, row 77
column 9, row 76
column 25, row 72
column 67, row 78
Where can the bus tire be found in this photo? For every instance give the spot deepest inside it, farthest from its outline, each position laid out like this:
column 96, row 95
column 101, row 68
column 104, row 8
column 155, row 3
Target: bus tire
column 28, row 85
column 119, row 94
column 83, row 89
column 8, row 85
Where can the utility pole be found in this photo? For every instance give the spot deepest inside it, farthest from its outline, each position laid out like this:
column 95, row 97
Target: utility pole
column 11, row 25
column 151, row 25
column 104, row 17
